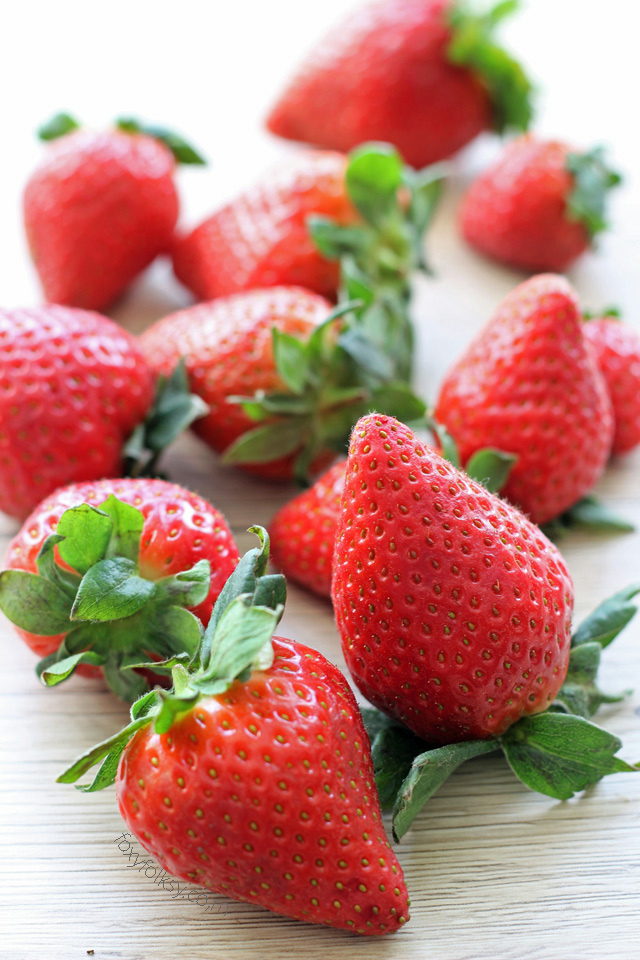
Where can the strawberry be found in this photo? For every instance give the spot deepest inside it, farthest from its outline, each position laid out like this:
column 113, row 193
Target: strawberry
column 280, row 375
column 617, row 351
column 424, row 75
column 303, row 532
column 253, row 776
column 74, row 388
column 149, row 539
column 529, row 384
column 454, row 610
column 101, row 207
column 539, row 206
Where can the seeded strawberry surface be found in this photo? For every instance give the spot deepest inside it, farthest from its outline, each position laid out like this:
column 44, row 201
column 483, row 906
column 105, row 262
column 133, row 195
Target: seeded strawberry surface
column 227, row 346
column 303, row 532
column 73, row 386
column 266, row 793
column 97, row 211
column 617, row 351
column 180, row 528
column 529, row 385
column 261, row 238
column 454, row 610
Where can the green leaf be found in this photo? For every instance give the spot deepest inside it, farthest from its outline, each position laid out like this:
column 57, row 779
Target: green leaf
column 490, row 467
column 399, row 401
column 110, row 750
column 592, row 181
column 87, row 532
column 333, row 240
column 393, row 750
column 241, row 634
column 49, row 569
column 187, row 588
column 473, row 46
column 595, row 517
column 559, row 754
column 127, row 525
column 182, row 151
column 604, row 624
column 54, row 673
column 291, row 359
column 111, row 590
column 367, row 354
column 57, row 126
column 269, row 442
column 428, row 772
column 373, row 178
column 179, row 629
column 125, row 684
column 448, row 446
column 174, row 409
column 34, row 604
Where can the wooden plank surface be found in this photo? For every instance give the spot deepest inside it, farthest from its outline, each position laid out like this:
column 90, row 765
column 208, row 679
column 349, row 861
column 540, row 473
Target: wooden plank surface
column 495, row 871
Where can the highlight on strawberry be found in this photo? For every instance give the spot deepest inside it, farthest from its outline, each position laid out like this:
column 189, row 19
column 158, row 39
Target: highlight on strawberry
column 540, row 205
column 105, row 574
column 454, row 612
column 101, row 207
column 78, row 402
column 252, row 775
column 425, row 75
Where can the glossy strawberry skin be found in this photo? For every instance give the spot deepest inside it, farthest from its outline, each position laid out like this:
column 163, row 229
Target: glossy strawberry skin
column 180, row 528
column 227, row 346
column 617, row 350
column 529, row 385
column 383, row 74
column 516, row 212
column 303, row 532
column 261, row 238
column 73, row 386
column 454, row 610
column 97, row 211
column 267, row 794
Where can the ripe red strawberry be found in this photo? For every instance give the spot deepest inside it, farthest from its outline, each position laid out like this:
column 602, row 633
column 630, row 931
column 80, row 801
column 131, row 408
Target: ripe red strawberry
column 454, row 610
column 261, row 238
column 424, row 75
column 228, row 352
column 539, row 206
column 173, row 539
column 260, row 787
column 529, row 384
column 100, row 208
column 303, row 532
column 77, row 403
column 617, row 351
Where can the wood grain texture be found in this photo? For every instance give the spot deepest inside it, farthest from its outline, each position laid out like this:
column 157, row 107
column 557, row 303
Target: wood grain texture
column 495, row 871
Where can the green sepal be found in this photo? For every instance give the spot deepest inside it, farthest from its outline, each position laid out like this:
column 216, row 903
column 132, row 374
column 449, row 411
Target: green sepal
column 490, row 467
column 374, row 176
column 448, row 446
column 473, row 46
column 173, row 410
column 182, row 151
column 58, row 126
column 33, row 603
column 126, row 528
column 109, row 752
column 427, row 773
column 52, row 670
column 592, row 180
column 609, row 618
column 612, row 313
column 47, row 567
column 590, row 515
column 86, row 532
column 579, row 693
column 560, row 754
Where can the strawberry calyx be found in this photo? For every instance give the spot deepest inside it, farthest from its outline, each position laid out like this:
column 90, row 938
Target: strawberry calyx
column 609, row 313
column 473, row 46
column 592, row 180
column 332, row 379
column 89, row 588
column 379, row 254
column 559, row 752
column 174, row 408
column 237, row 641
column 63, row 123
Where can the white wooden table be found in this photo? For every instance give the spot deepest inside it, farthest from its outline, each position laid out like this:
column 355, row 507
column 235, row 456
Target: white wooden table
column 496, row 872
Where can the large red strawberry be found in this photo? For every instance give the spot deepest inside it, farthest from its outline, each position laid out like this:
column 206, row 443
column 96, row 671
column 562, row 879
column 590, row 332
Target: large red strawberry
column 454, row 610
column 74, row 388
column 424, row 75
column 174, row 548
column 617, row 349
column 101, row 207
column 253, row 777
column 261, row 239
column 280, row 375
column 529, row 384
column 539, row 206
column 303, row 532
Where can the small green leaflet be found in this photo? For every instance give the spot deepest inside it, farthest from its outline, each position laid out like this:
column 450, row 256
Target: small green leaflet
column 490, row 467
column 608, row 619
column 373, row 178
column 183, row 152
column 87, row 532
column 111, row 590
column 126, row 528
column 33, row 603
column 57, row 126
column 592, row 181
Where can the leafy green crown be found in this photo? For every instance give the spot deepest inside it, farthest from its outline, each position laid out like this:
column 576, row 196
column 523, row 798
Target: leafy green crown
column 592, row 180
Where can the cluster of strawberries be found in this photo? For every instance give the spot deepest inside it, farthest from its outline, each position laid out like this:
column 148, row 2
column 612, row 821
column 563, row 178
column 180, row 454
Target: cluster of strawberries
column 248, row 766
